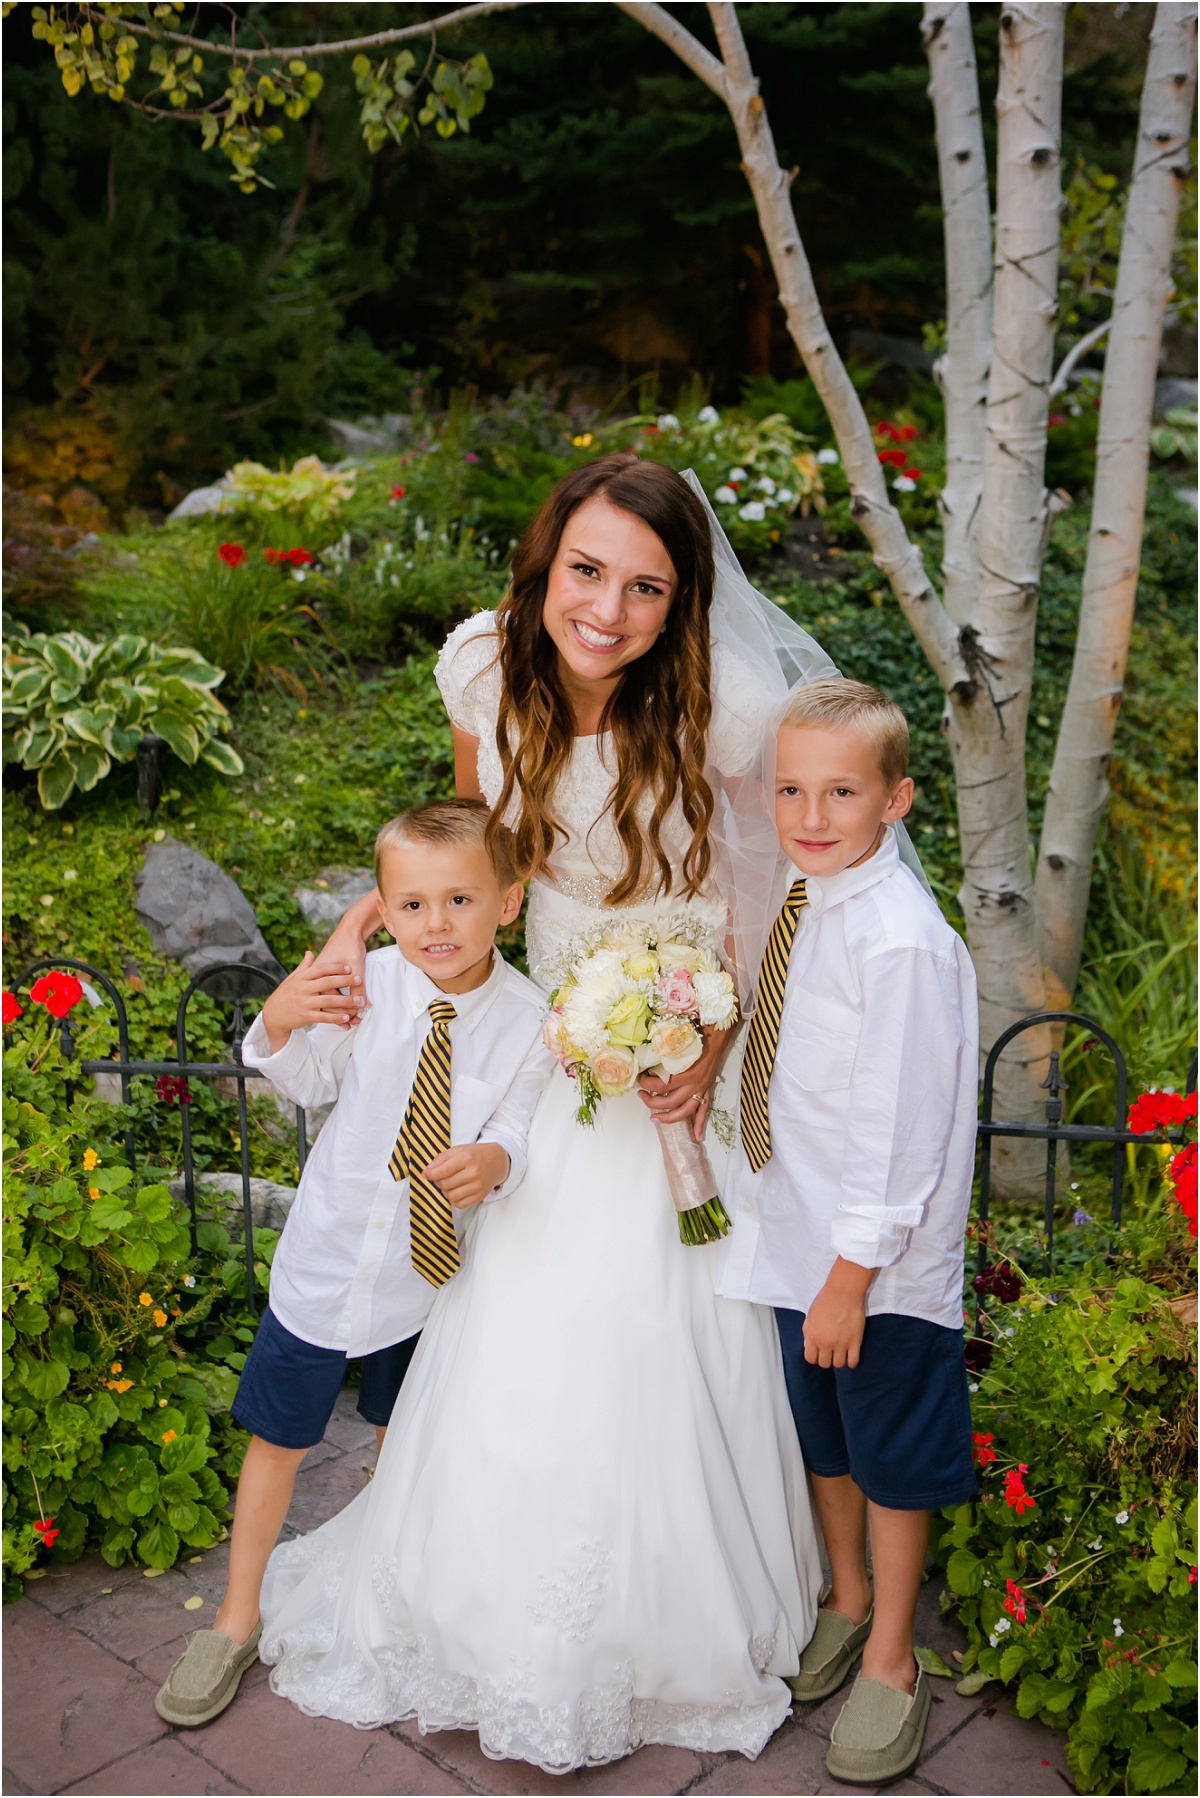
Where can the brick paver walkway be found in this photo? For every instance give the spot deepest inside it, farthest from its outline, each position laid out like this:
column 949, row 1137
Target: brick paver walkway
column 87, row 1648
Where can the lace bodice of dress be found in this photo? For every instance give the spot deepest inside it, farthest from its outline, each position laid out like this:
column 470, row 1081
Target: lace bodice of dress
column 586, row 864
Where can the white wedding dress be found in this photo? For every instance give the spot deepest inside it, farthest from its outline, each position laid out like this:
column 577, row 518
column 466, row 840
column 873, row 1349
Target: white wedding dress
column 589, row 1528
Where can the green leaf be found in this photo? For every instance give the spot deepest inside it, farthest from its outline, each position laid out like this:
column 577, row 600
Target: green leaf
column 1012, row 1660
column 183, row 1516
column 187, row 1454
column 1153, row 1767
column 179, row 737
column 109, row 1213
column 140, row 1256
column 975, row 1682
column 223, row 758
column 45, row 1379
column 91, row 767
column 932, row 1662
column 30, row 1317
column 118, row 1541
column 154, row 1203
column 964, row 1571
column 159, row 1547
column 1181, row 1674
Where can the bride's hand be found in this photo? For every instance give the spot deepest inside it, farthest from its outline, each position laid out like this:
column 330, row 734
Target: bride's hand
column 685, row 1098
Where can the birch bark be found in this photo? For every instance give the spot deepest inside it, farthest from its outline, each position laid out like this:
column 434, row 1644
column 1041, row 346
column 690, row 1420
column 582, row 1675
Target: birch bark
column 988, row 738
column 962, row 373
column 1078, row 783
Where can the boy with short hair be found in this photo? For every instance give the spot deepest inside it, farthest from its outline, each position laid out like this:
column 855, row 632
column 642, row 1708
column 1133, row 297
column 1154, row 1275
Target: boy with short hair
column 435, row 1089
column 849, row 1193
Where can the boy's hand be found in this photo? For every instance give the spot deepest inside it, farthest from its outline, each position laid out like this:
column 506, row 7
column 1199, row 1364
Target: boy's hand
column 834, row 1322
column 469, row 1174
column 309, row 995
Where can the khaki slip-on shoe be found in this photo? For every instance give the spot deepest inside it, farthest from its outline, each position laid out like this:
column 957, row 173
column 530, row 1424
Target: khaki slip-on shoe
column 879, row 1733
column 836, row 1644
column 206, row 1677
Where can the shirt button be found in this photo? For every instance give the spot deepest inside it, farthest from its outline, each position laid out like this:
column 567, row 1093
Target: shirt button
column 747, row 1211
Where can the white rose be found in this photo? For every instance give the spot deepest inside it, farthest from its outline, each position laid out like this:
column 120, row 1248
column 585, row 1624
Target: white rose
column 674, row 955
column 676, row 1045
column 625, row 939
column 717, row 1003
column 725, row 496
column 755, row 511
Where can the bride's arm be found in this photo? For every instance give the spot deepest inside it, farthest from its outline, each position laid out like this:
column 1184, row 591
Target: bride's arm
column 466, row 764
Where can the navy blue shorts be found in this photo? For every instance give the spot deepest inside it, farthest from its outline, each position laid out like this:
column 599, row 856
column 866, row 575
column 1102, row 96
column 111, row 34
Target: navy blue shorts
column 899, row 1423
column 289, row 1387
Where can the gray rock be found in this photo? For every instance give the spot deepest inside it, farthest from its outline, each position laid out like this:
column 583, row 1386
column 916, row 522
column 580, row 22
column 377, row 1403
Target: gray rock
column 219, row 1197
column 197, row 915
column 203, row 500
column 1171, row 392
column 370, row 438
column 323, row 905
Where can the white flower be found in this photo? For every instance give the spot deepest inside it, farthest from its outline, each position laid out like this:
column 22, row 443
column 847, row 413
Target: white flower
column 974, row 1387
column 674, row 954
column 1117, row 1629
column 189, row 1279
column 676, row 1044
column 994, row 1640
column 299, row 574
column 625, row 939
column 784, row 497
column 1122, row 1516
column 1003, row 1623
column 737, row 474
column 1097, row 1545
column 766, row 484
column 601, row 973
column 753, row 512
column 902, row 484
column 725, row 496
column 828, row 458
column 707, row 415
column 717, row 1003
column 668, row 422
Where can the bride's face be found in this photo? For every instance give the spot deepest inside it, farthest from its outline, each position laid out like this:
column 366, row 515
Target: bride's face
column 608, row 592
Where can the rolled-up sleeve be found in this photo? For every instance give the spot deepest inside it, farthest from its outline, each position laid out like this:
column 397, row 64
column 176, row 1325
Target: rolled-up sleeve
column 508, row 1126
column 901, row 1113
column 309, row 1068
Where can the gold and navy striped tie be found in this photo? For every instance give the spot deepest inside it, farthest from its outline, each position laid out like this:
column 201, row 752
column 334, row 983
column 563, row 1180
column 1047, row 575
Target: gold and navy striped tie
column 763, row 1037
column 425, row 1133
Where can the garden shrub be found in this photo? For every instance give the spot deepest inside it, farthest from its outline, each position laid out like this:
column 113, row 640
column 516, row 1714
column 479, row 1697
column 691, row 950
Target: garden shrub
column 121, row 1346
column 73, row 707
column 1075, row 1571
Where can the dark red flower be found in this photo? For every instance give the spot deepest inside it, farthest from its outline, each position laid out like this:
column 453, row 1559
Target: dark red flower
column 896, row 457
column 1056, row 418
column 397, row 493
column 300, row 557
column 231, row 554
column 912, row 474
column 46, row 1530
column 979, row 1354
column 906, row 433
column 1192, row 1574
column 173, row 1089
column 884, row 429
column 59, row 993
column 12, row 1010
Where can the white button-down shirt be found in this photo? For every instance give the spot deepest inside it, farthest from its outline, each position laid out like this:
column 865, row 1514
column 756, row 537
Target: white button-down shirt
column 343, row 1276
column 872, row 1105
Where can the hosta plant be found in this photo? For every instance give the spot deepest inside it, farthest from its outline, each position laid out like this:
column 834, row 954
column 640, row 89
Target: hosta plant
column 310, row 494
column 73, row 707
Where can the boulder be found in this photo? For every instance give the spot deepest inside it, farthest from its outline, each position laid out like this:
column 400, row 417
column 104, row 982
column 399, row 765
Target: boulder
column 334, row 892
column 197, row 915
column 203, row 500
column 219, row 1197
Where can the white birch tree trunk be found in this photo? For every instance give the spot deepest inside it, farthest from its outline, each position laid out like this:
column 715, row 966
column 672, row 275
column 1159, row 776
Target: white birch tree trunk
column 962, row 372
column 1078, row 783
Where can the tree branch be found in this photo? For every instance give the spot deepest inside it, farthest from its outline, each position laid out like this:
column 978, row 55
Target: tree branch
column 376, row 41
column 687, row 48
column 1059, row 383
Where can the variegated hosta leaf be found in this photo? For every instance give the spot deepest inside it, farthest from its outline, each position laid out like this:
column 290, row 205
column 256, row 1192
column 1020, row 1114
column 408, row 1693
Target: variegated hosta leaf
column 27, row 683
column 180, row 737
column 56, row 782
column 92, row 765
column 223, row 758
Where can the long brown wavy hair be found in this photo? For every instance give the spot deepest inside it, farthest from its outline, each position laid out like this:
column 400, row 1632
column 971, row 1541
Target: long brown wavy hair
column 658, row 716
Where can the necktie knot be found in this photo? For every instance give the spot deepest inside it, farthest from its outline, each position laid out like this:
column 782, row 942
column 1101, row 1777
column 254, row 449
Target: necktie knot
column 798, row 894
column 441, row 1011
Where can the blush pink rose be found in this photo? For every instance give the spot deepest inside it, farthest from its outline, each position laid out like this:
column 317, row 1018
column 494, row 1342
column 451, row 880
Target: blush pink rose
column 678, row 994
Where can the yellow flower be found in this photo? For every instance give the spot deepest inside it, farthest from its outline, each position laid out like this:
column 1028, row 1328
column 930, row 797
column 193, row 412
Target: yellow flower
column 643, row 967
column 583, row 442
column 160, row 1318
column 118, row 1385
column 90, row 1160
column 628, row 1023
column 169, row 1436
column 144, row 1298
column 115, row 1368
column 93, row 1193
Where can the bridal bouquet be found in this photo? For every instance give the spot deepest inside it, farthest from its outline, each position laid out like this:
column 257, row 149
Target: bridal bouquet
column 635, row 998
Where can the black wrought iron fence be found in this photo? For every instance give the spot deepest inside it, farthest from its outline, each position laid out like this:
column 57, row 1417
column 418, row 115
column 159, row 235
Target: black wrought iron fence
column 228, row 983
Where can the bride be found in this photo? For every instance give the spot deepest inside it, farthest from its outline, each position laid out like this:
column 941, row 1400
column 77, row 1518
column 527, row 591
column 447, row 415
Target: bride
column 589, row 1528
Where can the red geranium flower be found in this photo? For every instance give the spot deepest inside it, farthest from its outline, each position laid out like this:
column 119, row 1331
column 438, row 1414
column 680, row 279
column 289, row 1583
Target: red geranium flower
column 906, row 433
column 45, row 1529
column 1056, row 418
column 1014, row 1604
column 1182, row 1174
column 397, row 493
column 983, row 1451
column 274, row 555
column 1160, row 1111
column 173, row 1089
column 59, row 993
column 231, row 554
column 884, row 429
column 894, row 456
column 912, row 474
column 12, row 1010
column 300, row 557
column 1192, row 1575
column 1015, row 1495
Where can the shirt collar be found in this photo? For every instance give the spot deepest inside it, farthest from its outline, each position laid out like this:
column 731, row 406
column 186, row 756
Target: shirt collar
column 469, row 1007
column 826, row 890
